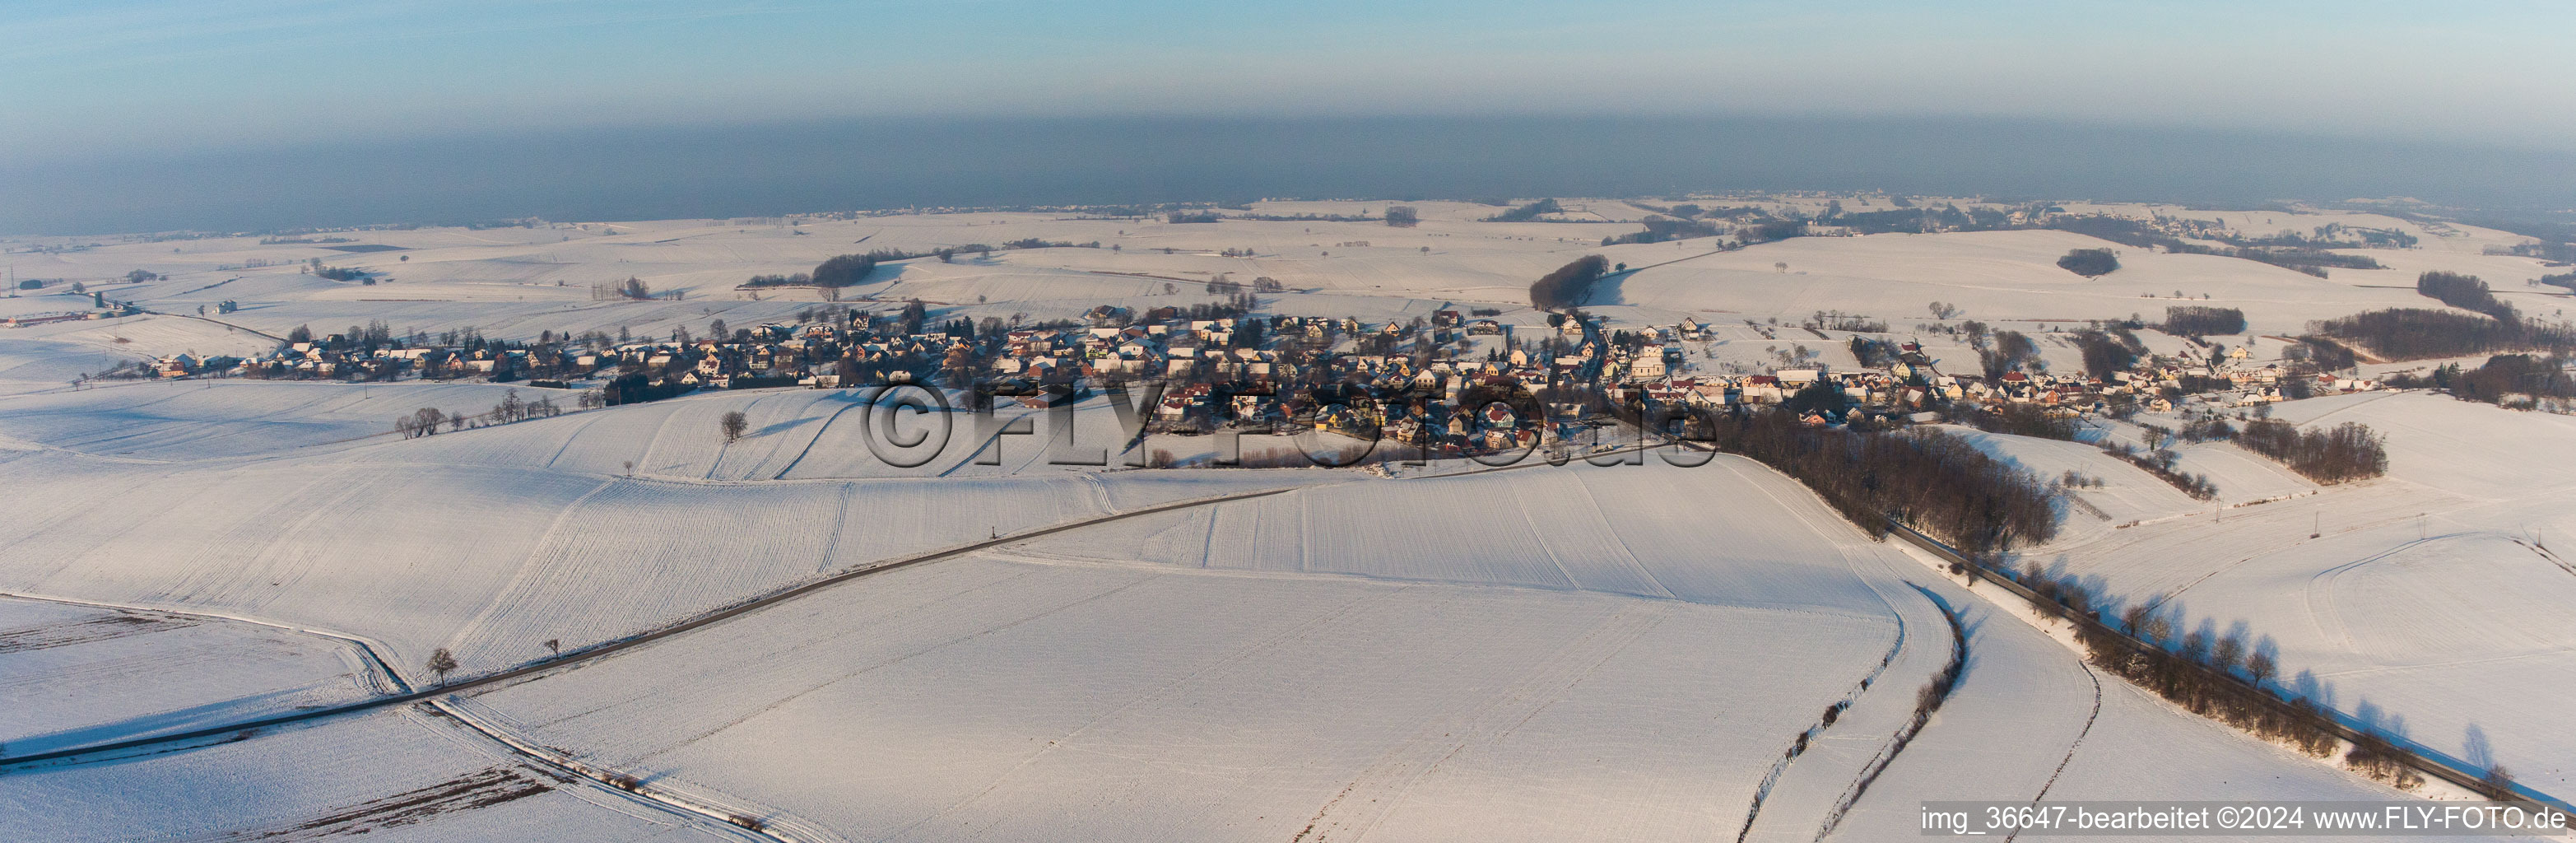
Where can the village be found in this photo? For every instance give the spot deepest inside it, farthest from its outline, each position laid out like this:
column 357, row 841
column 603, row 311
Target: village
column 1459, row 381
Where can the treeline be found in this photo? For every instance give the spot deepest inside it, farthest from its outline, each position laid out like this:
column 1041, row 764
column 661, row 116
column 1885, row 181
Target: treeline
column 1936, row 482
column 2406, row 333
column 2465, row 292
column 2348, row 451
column 635, row 388
column 2201, row 675
column 1528, row 212
column 2199, row 321
column 1569, row 284
column 2226, row 677
column 1771, row 230
column 833, row 272
column 2121, row 230
column 633, row 288
column 2159, row 463
column 2016, row 419
column 425, row 421
column 1307, row 217
column 2329, row 236
column 2563, row 279
column 2506, row 379
column 2310, row 261
column 1039, row 243
column 1662, row 228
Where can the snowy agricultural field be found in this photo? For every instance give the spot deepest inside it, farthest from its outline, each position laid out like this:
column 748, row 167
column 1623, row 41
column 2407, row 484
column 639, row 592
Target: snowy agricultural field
column 402, row 774
column 74, row 675
column 2429, row 603
column 1082, row 702
column 45, row 358
column 208, row 419
column 1570, row 658
column 987, row 642
column 517, row 282
column 492, row 541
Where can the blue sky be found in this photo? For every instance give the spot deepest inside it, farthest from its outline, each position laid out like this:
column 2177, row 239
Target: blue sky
column 80, row 80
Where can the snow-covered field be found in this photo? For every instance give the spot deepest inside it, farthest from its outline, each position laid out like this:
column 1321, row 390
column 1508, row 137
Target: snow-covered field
column 391, row 775
column 1540, row 653
column 2429, row 603
column 73, row 675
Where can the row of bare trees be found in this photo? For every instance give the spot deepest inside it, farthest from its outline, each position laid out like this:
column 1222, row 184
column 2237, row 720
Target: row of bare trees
column 2223, row 678
column 425, row 421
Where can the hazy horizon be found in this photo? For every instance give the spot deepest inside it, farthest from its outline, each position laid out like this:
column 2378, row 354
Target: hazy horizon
column 763, row 169
column 160, row 114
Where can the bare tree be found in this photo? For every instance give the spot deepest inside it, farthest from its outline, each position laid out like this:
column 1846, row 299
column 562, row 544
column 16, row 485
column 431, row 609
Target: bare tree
column 734, row 424
column 2260, row 667
column 441, row 663
column 2498, row 781
column 2228, row 652
column 421, row 422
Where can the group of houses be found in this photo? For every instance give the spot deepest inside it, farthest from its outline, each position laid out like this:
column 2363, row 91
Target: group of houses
column 1429, row 380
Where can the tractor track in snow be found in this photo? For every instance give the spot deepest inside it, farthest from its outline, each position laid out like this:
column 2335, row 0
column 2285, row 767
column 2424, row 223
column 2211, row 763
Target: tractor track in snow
column 2071, row 748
